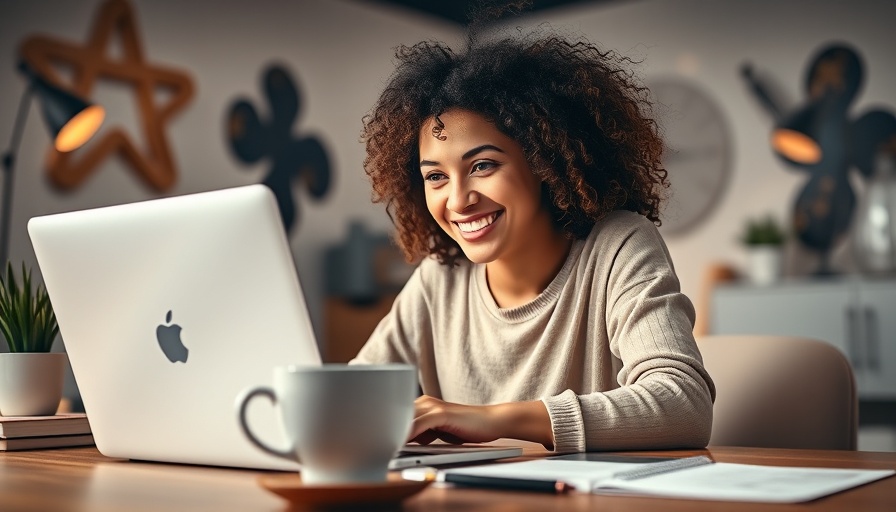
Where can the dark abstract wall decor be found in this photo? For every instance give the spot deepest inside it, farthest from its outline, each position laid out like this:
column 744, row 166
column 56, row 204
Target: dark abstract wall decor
column 294, row 159
column 822, row 139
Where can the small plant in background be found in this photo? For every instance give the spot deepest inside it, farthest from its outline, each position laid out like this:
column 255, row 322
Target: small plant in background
column 763, row 231
column 27, row 319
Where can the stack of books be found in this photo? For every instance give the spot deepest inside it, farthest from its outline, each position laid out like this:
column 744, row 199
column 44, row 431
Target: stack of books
column 36, row 432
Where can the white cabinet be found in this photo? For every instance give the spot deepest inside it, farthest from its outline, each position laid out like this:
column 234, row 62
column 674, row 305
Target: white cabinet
column 856, row 315
column 876, row 326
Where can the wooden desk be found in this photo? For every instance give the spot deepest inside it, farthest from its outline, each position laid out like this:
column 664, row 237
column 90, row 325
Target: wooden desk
column 80, row 479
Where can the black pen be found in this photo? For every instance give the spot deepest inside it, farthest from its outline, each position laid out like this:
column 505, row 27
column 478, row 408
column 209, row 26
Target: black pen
column 510, row 484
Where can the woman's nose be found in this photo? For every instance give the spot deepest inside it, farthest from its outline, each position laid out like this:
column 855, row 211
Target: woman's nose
column 461, row 196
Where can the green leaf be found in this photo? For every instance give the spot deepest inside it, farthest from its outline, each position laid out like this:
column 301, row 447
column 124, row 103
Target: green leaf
column 763, row 231
column 27, row 320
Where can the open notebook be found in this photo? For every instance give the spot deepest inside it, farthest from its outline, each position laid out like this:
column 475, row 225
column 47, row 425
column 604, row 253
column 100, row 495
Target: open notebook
column 691, row 478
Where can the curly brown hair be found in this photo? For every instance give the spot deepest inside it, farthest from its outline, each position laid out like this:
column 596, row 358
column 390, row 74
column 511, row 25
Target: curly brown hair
column 580, row 117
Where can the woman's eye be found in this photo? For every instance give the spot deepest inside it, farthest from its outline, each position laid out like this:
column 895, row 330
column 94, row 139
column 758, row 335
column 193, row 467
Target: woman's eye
column 434, row 177
column 483, row 166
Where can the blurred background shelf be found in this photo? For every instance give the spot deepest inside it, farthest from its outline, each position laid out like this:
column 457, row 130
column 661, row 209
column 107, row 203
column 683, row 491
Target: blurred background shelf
column 348, row 324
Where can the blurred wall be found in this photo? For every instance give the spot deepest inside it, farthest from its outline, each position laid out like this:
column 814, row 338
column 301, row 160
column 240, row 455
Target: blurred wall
column 340, row 53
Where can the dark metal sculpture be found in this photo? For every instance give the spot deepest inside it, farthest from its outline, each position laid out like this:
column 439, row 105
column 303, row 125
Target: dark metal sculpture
column 301, row 160
column 821, row 139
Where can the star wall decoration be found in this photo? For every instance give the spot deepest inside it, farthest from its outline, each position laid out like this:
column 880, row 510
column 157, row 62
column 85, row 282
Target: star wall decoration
column 92, row 61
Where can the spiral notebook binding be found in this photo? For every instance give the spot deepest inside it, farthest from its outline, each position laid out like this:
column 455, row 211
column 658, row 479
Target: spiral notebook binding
column 658, row 468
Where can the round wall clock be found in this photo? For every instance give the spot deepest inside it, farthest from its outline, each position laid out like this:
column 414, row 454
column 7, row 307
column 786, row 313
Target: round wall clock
column 698, row 153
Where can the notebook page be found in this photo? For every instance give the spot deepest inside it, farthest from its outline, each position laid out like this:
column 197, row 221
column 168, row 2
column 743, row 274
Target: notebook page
column 743, row 482
column 582, row 475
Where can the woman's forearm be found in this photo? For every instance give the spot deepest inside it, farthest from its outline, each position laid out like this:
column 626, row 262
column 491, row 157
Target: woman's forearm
column 528, row 421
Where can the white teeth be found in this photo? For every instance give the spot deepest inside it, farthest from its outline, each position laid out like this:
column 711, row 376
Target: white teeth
column 476, row 225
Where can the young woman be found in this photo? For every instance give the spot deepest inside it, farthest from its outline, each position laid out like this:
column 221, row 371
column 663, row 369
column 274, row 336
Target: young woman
column 526, row 174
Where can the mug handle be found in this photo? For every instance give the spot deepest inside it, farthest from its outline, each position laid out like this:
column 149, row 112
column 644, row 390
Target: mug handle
column 242, row 404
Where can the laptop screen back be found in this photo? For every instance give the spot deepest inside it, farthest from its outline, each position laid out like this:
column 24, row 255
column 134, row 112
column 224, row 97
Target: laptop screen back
column 168, row 309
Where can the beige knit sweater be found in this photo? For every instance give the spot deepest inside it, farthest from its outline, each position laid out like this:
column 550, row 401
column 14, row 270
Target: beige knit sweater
column 608, row 346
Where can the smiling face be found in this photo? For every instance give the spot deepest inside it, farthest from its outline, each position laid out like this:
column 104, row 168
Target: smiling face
column 480, row 189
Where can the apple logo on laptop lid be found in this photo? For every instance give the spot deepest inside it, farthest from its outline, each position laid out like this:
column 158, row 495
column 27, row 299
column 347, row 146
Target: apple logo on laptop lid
column 168, row 335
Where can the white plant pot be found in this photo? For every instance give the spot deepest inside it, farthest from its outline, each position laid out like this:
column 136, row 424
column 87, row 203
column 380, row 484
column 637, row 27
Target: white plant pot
column 764, row 264
column 31, row 383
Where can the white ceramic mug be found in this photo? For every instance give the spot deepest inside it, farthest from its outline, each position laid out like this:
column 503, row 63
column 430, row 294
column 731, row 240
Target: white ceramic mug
column 343, row 423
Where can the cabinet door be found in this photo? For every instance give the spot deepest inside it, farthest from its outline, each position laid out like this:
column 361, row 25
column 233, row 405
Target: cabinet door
column 824, row 311
column 877, row 306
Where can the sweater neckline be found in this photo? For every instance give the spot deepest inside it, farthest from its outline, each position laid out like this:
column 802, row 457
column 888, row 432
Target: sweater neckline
column 536, row 305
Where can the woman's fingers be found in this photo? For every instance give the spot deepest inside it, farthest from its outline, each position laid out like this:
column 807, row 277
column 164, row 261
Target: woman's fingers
column 427, row 419
column 452, row 423
column 450, row 438
column 429, row 436
column 425, row 438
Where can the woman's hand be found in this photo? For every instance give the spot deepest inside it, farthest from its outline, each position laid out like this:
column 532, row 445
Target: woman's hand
column 453, row 423
column 457, row 423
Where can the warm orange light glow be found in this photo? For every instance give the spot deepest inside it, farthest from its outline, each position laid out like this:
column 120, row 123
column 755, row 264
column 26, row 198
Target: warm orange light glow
column 796, row 146
column 80, row 129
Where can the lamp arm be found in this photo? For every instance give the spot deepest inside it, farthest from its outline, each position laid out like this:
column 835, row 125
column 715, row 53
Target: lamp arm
column 761, row 91
column 9, row 162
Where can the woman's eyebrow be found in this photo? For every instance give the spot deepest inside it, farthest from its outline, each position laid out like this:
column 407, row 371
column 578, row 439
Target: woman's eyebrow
column 479, row 149
column 469, row 154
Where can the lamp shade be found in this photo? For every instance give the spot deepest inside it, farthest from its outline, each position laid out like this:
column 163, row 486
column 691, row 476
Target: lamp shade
column 795, row 137
column 70, row 119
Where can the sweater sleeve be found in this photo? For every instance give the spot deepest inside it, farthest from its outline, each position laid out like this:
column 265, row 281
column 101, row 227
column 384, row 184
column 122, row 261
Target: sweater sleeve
column 664, row 399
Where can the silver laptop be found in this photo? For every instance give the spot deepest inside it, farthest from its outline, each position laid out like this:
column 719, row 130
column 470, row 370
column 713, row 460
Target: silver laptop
column 169, row 308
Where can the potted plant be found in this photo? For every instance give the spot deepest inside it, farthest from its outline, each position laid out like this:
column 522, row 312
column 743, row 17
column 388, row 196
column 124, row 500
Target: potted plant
column 30, row 375
column 764, row 238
